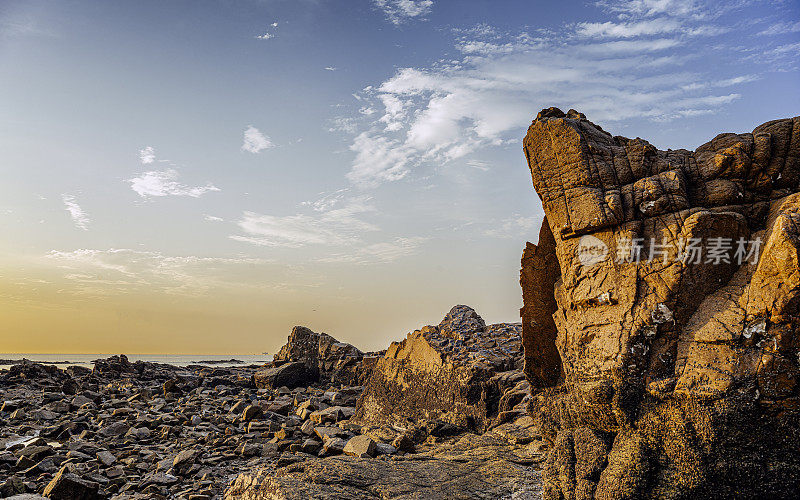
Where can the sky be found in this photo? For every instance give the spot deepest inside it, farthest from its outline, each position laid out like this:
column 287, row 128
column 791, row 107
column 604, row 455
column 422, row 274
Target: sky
column 200, row 176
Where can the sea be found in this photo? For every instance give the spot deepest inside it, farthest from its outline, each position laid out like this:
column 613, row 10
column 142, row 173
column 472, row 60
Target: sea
column 86, row 360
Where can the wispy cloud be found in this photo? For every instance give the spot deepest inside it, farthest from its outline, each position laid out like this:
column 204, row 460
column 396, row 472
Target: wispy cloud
column 330, row 68
column 212, row 218
column 517, row 226
column 401, row 11
column 267, row 35
column 332, row 226
column 627, row 30
column 254, row 141
column 165, row 183
column 79, row 217
column 378, row 253
column 116, row 270
column 479, row 165
column 627, row 9
column 782, row 29
column 632, row 67
column 147, row 155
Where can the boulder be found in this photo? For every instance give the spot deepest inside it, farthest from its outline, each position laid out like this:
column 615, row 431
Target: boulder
column 289, row 375
column 657, row 372
column 360, row 446
column 68, row 486
column 443, row 372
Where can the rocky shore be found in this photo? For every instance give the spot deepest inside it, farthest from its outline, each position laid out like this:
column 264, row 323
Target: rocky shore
column 288, row 429
column 635, row 373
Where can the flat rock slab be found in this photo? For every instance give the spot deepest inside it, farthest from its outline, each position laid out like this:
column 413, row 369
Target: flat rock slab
column 472, row 467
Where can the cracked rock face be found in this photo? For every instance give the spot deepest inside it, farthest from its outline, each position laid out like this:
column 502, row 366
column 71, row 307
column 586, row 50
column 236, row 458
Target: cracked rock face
column 449, row 372
column 660, row 372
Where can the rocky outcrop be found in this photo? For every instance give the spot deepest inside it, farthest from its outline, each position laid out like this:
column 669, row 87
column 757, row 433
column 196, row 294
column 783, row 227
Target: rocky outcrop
column 670, row 366
column 315, row 357
column 485, row 466
column 450, row 372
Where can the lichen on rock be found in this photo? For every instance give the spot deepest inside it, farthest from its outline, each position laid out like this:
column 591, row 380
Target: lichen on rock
column 684, row 374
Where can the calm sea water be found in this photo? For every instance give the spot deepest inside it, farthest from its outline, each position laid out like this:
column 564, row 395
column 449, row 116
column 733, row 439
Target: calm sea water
column 172, row 359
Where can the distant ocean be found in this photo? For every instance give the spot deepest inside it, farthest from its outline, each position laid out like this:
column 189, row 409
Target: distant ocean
column 64, row 360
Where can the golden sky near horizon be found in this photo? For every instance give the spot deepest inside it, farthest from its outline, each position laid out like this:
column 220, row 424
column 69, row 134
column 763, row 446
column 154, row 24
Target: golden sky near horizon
column 192, row 177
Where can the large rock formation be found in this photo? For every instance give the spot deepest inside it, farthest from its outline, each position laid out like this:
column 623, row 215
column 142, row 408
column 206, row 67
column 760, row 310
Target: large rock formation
column 451, row 372
column 309, row 357
column 671, row 375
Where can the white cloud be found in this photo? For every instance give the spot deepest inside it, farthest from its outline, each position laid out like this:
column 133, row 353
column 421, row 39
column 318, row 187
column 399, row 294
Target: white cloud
column 255, row 141
column 479, row 165
column 516, row 226
column 330, row 68
column 79, row 217
column 334, row 226
column 400, row 11
column 147, row 155
column 212, row 218
column 265, row 36
column 378, row 253
column 165, row 183
column 378, row 159
column 782, row 29
column 327, row 201
column 627, row 30
column 632, row 68
column 119, row 270
column 646, row 8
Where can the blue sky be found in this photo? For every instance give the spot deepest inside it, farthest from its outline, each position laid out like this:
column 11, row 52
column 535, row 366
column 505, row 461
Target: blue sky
column 218, row 171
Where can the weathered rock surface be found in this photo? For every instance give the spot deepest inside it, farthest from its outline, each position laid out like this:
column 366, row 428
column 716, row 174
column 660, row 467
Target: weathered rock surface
column 450, row 372
column 671, row 376
column 289, row 375
column 325, row 358
column 469, row 467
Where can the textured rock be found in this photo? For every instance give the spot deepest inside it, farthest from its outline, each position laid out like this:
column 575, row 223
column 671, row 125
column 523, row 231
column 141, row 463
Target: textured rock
column 360, row 446
column 443, row 372
column 325, row 357
column 473, row 467
column 68, row 486
column 674, row 378
column 289, row 375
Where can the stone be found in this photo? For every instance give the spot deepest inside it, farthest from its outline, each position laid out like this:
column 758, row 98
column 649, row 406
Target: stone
column 361, row 446
column 443, row 372
column 307, row 428
column 664, row 377
column 290, row 375
column 184, row 460
column 403, row 443
column 252, row 412
column 106, row 458
column 114, row 429
column 139, row 433
column 80, row 400
column 68, row 486
column 333, row 446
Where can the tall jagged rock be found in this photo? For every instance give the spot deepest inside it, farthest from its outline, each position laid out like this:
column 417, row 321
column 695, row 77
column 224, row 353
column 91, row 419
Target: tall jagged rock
column 450, row 372
column 664, row 374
